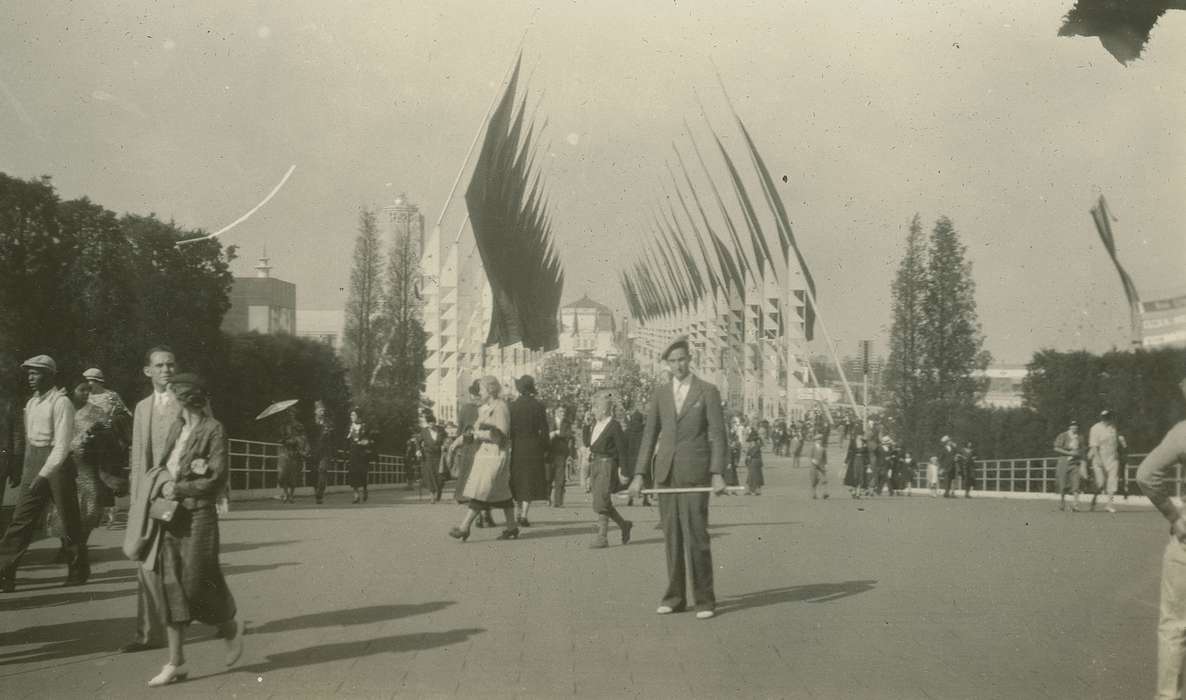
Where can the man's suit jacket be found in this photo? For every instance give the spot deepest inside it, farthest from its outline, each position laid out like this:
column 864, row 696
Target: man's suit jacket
column 140, row 460
column 688, row 448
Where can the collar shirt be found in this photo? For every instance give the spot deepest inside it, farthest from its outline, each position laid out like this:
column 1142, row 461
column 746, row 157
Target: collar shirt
column 598, row 427
column 1104, row 439
column 679, row 390
column 49, row 422
column 161, row 399
column 173, row 464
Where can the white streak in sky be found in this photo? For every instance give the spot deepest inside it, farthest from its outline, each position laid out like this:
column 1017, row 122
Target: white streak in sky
column 243, row 218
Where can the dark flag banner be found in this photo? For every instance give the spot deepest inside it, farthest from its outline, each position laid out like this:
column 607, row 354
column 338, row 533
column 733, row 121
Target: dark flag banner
column 1122, row 26
column 512, row 226
column 1103, row 224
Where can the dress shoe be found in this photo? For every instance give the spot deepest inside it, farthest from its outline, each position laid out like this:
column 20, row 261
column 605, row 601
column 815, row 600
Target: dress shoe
column 626, row 528
column 169, row 674
column 234, row 645
column 459, row 534
column 705, row 614
column 511, row 533
column 664, row 610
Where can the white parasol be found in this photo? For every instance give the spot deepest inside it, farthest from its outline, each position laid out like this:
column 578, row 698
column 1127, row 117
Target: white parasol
column 278, row 407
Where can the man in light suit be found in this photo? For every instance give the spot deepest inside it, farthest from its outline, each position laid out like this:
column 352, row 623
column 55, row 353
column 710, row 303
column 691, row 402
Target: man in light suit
column 153, row 417
column 685, row 433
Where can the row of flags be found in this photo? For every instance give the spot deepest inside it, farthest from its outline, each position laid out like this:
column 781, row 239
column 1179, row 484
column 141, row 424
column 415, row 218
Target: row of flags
column 696, row 250
column 512, row 224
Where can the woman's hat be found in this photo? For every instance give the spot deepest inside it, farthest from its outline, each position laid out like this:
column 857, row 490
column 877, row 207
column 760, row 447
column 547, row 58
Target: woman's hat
column 188, row 384
column 94, row 374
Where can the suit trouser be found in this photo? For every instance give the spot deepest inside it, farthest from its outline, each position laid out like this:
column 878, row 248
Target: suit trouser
column 684, row 517
column 1171, row 630
column 558, row 478
column 150, row 608
column 63, row 492
column 322, row 476
column 819, row 477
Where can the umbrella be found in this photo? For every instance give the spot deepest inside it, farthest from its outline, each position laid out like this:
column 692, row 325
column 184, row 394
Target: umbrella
column 278, row 407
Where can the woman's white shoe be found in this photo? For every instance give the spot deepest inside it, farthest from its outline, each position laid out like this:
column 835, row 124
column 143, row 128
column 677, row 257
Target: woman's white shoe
column 169, row 674
column 234, row 645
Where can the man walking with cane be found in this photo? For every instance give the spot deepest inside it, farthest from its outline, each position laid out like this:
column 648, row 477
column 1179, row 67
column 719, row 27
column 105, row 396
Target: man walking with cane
column 685, row 433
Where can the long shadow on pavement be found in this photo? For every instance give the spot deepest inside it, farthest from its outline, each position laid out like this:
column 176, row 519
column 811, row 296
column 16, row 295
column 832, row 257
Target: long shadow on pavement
column 339, row 651
column 353, row 616
column 70, row 639
column 83, row 594
column 807, row 593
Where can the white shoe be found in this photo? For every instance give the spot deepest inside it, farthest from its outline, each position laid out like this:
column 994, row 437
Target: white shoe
column 169, row 674
column 705, row 614
column 1110, row 509
column 664, row 610
column 234, row 645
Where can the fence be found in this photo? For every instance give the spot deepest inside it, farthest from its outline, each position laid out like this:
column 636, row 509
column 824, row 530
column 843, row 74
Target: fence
column 1037, row 475
column 254, row 465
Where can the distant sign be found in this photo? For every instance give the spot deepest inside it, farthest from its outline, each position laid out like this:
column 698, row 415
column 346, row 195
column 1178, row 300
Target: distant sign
column 825, row 394
column 1163, row 322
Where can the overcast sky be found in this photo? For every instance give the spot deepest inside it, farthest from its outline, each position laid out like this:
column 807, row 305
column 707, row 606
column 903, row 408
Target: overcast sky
column 872, row 110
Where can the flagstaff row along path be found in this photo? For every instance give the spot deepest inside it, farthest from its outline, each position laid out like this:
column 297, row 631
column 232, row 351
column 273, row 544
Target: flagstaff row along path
column 877, row 598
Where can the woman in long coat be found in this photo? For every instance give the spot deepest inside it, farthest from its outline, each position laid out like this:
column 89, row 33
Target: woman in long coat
column 529, row 449
column 561, row 449
column 854, row 464
column 183, row 548
column 291, row 460
column 489, row 482
column 432, row 443
column 361, row 443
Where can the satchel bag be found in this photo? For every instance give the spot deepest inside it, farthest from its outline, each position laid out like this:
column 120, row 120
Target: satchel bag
column 162, row 509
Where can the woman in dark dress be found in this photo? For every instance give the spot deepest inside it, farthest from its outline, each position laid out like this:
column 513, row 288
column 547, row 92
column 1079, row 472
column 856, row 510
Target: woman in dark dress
column 561, row 449
column 321, row 449
column 529, row 449
column 854, row 465
column 361, row 442
column 183, row 549
column 754, row 477
column 608, row 451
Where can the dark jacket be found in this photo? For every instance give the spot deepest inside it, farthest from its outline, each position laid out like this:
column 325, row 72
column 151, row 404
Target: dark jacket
column 611, row 444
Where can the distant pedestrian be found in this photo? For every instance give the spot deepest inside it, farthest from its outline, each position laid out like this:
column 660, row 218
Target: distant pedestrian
column 854, row 464
column 432, row 445
column 819, row 468
column 561, row 451
column 635, row 424
column 529, row 449
column 966, row 459
column 1070, row 447
column 1103, row 445
column 905, row 474
column 48, row 477
column 948, row 464
column 1154, row 477
column 322, row 449
column 489, row 482
column 933, row 475
column 362, row 445
column 755, row 477
column 114, row 471
column 290, row 463
column 607, row 450
column 91, row 449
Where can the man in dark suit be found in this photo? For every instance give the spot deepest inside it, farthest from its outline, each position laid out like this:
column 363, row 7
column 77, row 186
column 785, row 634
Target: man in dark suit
column 685, row 433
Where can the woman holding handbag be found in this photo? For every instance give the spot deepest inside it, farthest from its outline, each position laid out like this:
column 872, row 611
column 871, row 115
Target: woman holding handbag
column 489, row 482
column 180, row 532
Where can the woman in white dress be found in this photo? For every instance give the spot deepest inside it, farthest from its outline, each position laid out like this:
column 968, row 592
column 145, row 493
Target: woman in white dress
column 489, row 482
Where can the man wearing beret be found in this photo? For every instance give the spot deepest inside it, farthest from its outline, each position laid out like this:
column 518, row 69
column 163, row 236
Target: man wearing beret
column 48, row 475
column 685, row 435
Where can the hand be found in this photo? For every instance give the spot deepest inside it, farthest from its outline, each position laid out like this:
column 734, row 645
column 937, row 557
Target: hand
column 167, row 490
column 1178, row 529
column 635, row 489
column 718, row 484
column 39, row 486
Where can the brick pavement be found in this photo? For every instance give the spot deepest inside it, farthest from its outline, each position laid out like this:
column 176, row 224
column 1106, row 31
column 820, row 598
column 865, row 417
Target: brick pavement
column 885, row 598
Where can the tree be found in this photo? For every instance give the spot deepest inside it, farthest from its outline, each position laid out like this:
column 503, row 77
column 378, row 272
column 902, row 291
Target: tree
column 630, row 385
column 564, row 381
column 903, row 372
column 360, row 340
column 950, row 338
column 398, row 377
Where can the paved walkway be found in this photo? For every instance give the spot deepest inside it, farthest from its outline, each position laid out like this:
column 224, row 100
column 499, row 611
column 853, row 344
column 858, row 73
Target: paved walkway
column 884, row 598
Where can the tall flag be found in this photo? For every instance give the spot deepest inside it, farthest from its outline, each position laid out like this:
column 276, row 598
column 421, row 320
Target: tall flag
column 512, row 225
column 1122, row 26
column 1103, row 224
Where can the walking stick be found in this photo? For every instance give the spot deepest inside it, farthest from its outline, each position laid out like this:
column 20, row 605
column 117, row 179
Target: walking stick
column 689, row 489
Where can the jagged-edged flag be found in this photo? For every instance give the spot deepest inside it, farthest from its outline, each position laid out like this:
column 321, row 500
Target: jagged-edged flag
column 1103, row 224
column 1122, row 26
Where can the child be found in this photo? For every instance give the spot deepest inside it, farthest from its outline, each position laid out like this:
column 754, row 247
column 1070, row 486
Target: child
column 933, row 476
column 607, row 453
column 819, row 467
column 906, row 484
column 754, row 480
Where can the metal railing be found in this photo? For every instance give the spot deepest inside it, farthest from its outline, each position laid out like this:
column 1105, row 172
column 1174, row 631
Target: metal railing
column 254, row 465
column 1038, row 475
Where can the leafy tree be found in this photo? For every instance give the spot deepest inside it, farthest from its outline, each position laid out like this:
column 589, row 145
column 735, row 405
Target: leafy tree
column 903, row 375
column 398, row 378
column 950, row 338
column 631, row 386
column 361, row 342
column 564, row 381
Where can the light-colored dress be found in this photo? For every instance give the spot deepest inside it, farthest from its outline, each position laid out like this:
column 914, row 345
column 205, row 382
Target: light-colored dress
column 489, row 481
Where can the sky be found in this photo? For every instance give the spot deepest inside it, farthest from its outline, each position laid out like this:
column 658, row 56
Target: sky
column 872, row 110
